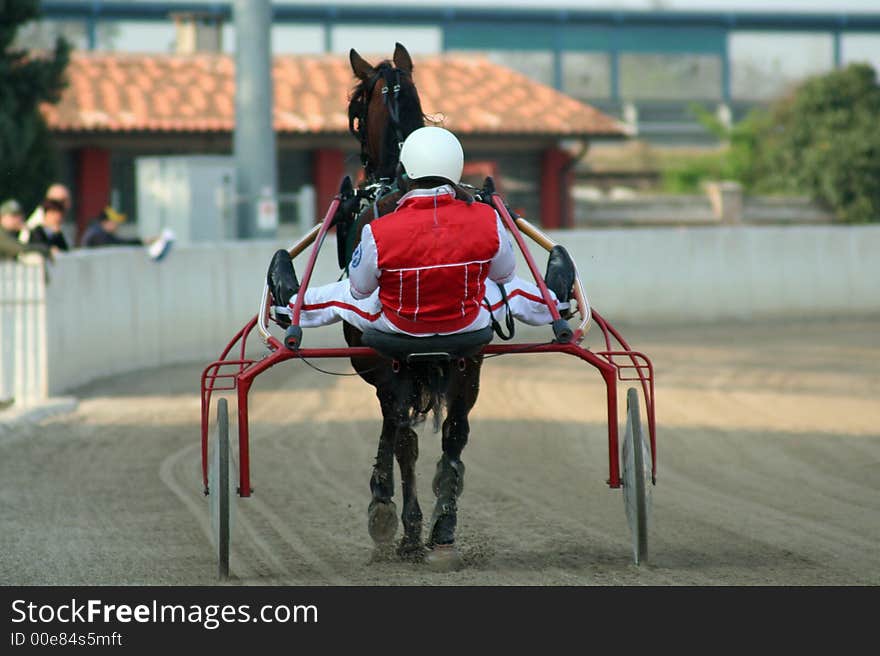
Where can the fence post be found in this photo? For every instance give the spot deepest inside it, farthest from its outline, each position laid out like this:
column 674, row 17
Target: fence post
column 727, row 201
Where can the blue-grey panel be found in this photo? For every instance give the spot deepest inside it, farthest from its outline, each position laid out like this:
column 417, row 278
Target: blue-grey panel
column 587, row 37
column 498, row 36
column 626, row 38
column 671, row 39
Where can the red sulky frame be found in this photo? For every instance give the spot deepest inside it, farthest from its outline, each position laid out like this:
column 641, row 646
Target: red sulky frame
column 230, row 373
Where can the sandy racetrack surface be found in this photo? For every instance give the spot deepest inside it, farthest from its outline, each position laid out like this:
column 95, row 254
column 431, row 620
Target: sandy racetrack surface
column 769, row 473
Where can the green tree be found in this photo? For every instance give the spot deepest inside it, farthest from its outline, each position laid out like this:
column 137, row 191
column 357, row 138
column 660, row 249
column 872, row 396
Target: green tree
column 27, row 159
column 824, row 140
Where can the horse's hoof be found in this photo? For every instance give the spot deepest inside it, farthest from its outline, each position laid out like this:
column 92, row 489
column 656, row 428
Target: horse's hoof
column 444, row 558
column 382, row 523
column 413, row 551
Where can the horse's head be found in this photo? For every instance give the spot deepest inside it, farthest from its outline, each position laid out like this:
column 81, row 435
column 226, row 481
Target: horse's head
column 384, row 108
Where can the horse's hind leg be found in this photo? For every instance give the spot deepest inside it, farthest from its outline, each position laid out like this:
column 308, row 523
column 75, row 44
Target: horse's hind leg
column 382, row 513
column 449, row 478
column 407, row 451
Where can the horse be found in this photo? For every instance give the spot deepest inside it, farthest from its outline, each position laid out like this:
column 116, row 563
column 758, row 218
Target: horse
column 384, row 108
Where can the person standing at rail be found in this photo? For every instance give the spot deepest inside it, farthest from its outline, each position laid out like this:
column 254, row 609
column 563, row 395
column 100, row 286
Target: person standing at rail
column 102, row 231
column 11, row 224
column 11, row 218
column 40, row 229
column 422, row 270
column 48, row 232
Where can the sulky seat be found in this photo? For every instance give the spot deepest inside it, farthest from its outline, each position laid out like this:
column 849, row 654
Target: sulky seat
column 406, row 348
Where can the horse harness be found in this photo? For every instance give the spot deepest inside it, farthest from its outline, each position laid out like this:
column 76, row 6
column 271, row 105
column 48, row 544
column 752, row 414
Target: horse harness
column 390, row 98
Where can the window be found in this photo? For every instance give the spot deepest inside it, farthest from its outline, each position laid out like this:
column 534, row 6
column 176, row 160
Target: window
column 135, row 36
column 41, row 35
column 381, row 40
column 861, row 48
column 670, row 77
column 586, row 75
column 228, row 38
column 765, row 64
column 536, row 64
column 298, row 39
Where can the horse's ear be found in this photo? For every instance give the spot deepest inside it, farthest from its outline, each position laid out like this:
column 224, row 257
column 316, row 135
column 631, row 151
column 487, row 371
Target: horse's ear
column 361, row 67
column 402, row 59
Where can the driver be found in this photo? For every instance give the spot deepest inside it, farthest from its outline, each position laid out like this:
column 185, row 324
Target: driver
column 437, row 265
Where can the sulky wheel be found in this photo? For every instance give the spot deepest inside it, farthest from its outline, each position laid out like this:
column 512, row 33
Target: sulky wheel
column 636, row 478
column 218, row 486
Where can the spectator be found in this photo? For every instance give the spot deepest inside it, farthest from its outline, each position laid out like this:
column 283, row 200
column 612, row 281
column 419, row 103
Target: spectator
column 102, row 231
column 11, row 224
column 60, row 193
column 11, row 218
column 56, row 192
column 49, row 231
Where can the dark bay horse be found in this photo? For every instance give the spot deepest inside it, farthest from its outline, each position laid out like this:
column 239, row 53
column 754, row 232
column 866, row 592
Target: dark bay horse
column 383, row 110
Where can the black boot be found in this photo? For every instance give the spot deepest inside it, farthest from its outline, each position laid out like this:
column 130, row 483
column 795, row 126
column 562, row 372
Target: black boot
column 560, row 275
column 282, row 282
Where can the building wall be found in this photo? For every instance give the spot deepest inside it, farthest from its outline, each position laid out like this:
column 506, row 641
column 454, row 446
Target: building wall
column 518, row 165
column 294, row 171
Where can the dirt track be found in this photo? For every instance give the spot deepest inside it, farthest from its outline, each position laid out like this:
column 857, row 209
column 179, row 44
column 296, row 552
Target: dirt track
column 769, row 473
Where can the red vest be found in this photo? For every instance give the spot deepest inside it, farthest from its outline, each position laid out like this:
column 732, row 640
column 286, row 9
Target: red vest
column 434, row 255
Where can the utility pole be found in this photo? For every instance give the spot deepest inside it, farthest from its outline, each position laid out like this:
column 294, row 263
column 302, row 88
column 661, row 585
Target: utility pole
column 254, row 139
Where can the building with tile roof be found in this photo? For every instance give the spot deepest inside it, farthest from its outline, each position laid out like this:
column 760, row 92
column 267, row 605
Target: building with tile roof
column 118, row 107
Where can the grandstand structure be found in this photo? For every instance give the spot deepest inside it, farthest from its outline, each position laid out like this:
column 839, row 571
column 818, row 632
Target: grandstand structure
column 544, row 99
column 646, row 67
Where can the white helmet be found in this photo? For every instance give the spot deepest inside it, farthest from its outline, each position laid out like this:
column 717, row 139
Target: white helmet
column 432, row 152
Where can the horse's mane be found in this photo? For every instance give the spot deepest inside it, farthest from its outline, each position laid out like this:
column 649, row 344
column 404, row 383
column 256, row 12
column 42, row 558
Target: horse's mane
column 410, row 112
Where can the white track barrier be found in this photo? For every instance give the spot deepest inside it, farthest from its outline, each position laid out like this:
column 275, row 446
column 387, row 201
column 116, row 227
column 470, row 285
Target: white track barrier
column 23, row 360
column 111, row 311
column 716, row 273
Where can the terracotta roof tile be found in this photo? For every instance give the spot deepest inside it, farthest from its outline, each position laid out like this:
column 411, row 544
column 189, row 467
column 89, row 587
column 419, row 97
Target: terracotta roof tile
column 126, row 92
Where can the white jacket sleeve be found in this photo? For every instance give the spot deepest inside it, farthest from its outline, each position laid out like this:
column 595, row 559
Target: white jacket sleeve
column 363, row 270
column 502, row 268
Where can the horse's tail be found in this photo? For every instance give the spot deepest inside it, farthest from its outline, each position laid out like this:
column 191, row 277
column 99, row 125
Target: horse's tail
column 431, row 387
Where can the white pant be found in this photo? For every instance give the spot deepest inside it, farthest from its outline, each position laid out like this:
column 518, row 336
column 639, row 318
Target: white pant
column 334, row 302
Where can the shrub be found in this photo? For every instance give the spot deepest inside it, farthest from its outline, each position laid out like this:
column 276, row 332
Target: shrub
column 824, row 140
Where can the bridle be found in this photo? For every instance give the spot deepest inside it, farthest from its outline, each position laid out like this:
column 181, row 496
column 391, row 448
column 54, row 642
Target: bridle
column 360, row 104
